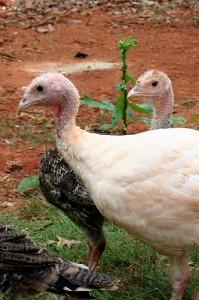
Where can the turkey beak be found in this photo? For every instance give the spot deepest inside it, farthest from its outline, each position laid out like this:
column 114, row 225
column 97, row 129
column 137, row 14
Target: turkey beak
column 24, row 104
column 134, row 91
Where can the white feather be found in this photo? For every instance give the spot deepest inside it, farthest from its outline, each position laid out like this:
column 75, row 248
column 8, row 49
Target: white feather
column 146, row 183
column 80, row 266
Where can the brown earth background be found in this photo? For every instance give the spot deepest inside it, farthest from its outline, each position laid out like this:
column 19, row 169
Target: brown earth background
column 38, row 35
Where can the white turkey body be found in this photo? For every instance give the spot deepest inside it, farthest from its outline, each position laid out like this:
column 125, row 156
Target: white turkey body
column 151, row 179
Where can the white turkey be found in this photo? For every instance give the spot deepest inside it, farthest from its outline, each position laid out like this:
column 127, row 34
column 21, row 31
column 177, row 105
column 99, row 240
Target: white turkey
column 156, row 87
column 147, row 183
column 62, row 187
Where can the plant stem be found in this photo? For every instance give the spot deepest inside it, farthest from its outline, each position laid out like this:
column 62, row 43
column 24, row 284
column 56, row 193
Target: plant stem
column 124, row 91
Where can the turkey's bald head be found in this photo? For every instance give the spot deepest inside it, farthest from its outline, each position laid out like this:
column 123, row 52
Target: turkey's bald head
column 151, row 84
column 50, row 89
column 157, row 88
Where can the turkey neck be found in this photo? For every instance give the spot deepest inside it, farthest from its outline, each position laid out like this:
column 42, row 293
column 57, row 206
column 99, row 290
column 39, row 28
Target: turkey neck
column 162, row 111
column 68, row 134
column 66, row 113
column 64, row 121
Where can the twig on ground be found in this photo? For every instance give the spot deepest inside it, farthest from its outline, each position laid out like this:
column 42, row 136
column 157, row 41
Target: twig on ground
column 9, row 56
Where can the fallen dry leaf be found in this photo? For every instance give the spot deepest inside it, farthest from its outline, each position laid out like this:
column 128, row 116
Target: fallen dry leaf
column 64, row 242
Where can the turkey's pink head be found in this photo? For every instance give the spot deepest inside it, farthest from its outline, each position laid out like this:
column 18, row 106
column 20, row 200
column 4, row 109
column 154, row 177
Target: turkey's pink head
column 50, row 89
column 151, row 84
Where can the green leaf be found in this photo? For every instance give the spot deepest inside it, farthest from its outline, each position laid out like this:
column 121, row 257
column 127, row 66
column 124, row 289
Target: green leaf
column 28, row 183
column 106, row 127
column 127, row 43
column 178, row 120
column 119, row 109
column 117, row 115
column 104, row 104
column 145, row 108
column 121, row 87
column 130, row 113
column 144, row 119
column 128, row 78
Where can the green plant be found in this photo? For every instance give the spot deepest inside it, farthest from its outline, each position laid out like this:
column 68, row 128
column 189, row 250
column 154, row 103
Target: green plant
column 28, row 184
column 121, row 110
column 144, row 108
column 37, row 137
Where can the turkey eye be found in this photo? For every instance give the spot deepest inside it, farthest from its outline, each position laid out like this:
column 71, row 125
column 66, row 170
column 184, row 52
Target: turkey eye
column 154, row 83
column 40, row 88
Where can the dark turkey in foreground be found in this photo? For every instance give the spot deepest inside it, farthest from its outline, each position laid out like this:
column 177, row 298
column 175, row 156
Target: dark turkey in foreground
column 62, row 188
column 27, row 269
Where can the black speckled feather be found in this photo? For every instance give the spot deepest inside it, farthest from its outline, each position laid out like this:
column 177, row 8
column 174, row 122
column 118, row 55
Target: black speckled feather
column 27, row 269
column 62, row 188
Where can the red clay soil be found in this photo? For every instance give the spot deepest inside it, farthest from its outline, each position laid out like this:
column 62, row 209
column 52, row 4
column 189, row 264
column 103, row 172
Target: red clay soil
column 172, row 48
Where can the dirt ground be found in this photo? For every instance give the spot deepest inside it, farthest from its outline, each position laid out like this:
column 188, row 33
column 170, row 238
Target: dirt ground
column 168, row 40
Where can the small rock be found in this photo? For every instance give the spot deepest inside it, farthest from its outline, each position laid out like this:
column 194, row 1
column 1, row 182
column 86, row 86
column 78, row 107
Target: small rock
column 85, row 13
column 7, row 204
column 75, row 21
column 74, row 10
column 28, row 4
column 9, row 141
column 51, row 28
column 41, row 30
column 114, row 25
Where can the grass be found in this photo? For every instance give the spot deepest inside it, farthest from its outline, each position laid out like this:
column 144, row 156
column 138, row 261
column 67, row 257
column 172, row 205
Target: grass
column 142, row 271
column 7, row 127
column 37, row 138
column 10, row 130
